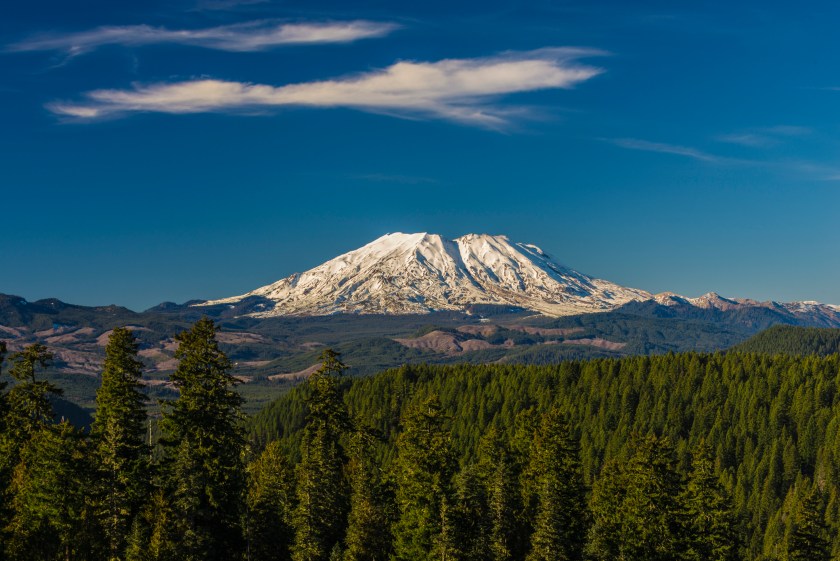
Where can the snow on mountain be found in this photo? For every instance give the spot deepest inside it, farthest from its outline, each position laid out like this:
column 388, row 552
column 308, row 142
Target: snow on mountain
column 419, row 273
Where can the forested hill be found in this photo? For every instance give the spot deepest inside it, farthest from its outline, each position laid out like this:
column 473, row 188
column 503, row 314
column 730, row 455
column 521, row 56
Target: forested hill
column 791, row 340
column 772, row 423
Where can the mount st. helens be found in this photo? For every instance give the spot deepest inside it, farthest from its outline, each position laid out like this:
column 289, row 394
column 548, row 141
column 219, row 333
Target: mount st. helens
column 421, row 273
column 404, row 298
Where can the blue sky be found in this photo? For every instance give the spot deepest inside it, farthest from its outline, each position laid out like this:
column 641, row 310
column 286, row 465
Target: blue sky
column 196, row 149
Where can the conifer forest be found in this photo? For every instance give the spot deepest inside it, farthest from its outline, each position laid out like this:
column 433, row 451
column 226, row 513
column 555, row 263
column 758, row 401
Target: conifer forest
column 676, row 457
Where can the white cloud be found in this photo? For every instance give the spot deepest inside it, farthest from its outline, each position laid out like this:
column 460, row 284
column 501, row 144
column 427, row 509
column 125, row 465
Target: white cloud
column 455, row 89
column 647, row 146
column 250, row 36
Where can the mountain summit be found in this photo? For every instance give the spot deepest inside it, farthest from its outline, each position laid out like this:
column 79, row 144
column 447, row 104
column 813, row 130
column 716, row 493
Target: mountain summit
column 419, row 273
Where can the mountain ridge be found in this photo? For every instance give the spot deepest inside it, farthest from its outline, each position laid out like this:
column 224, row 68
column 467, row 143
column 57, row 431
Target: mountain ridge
column 422, row 273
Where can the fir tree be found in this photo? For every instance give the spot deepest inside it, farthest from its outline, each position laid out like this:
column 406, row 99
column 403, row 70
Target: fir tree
column 270, row 498
column 204, row 429
column 561, row 521
column 50, row 518
column 122, row 454
column 320, row 518
column 635, row 506
column 710, row 523
column 499, row 476
column 29, row 400
column 808, row 540
column 424, row 469
column 371, row 505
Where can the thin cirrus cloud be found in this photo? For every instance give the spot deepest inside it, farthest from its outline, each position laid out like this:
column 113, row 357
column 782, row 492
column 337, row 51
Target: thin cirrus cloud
column 648, row 146
column 241, row 37
column 765, row 137
column 462, row 90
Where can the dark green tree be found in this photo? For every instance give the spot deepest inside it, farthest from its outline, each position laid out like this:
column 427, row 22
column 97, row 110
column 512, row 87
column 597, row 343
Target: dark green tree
column 808, row 540
column 30, row 408
column 270, row 499
column 371, row 504
column 635, row 508
column 424, row 472
column 118, row 435
column 204, row 431
column 51, row 519
column 710, row 532
column 562, row 518
column 320, row 518
column 499, row 474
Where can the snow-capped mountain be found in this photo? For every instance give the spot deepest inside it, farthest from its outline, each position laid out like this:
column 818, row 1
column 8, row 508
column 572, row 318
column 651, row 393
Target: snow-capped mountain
column 420, row 273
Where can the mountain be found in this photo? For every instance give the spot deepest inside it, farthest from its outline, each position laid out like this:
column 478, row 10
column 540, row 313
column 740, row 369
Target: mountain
column 422, row 273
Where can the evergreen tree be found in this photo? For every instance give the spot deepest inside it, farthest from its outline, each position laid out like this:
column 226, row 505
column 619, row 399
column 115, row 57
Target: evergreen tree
column 27, row 412
column 808, row 540
column 121, row 452
column 50, row 517
column 561, row 521
column 424, row 470
column 499, row 476
column 29, row 400
column 710, row 531
column 204, row 429
column 320, row 518
column 635, row 508
column 270, row 497
column 472, row 517
column 371, row 505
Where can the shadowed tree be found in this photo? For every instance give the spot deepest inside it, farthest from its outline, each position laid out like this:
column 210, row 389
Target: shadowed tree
column 320, row 518
column 118, row 436
column 424, row 470
column 205, row 433
column 270, row 498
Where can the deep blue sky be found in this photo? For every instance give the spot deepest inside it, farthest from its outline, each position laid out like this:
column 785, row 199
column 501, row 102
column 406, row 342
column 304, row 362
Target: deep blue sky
column 684, row 147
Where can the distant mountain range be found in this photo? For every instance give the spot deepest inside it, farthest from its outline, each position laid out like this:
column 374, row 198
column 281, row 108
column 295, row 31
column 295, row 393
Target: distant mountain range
column 404, row 298
column 422, row 273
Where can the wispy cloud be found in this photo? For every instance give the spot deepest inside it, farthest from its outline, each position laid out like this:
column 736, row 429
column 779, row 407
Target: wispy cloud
column 464, row 90
column 764, row 137
column 647, row 146
column 249, row 36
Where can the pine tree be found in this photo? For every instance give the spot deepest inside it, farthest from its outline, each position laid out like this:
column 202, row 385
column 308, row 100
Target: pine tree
column 809, row 541
column 424, row 470
column 50, row 517
column 709, row 518
column 635, row 508
column 270, row 498
column 371, row 505
column 120, row 448
column 27, row 412
column 499, row 476
column 320, row 517
column 562, row 518
column 29, row 400
column 203, row 428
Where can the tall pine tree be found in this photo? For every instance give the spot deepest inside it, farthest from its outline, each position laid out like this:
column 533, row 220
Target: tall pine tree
column 371, row 504
column 118, row 435
column 204, row 429
column 562, row 517
column 424, row 471
column 320, row 518
column 710, row 532
column 270, row 499
column 808, row 540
